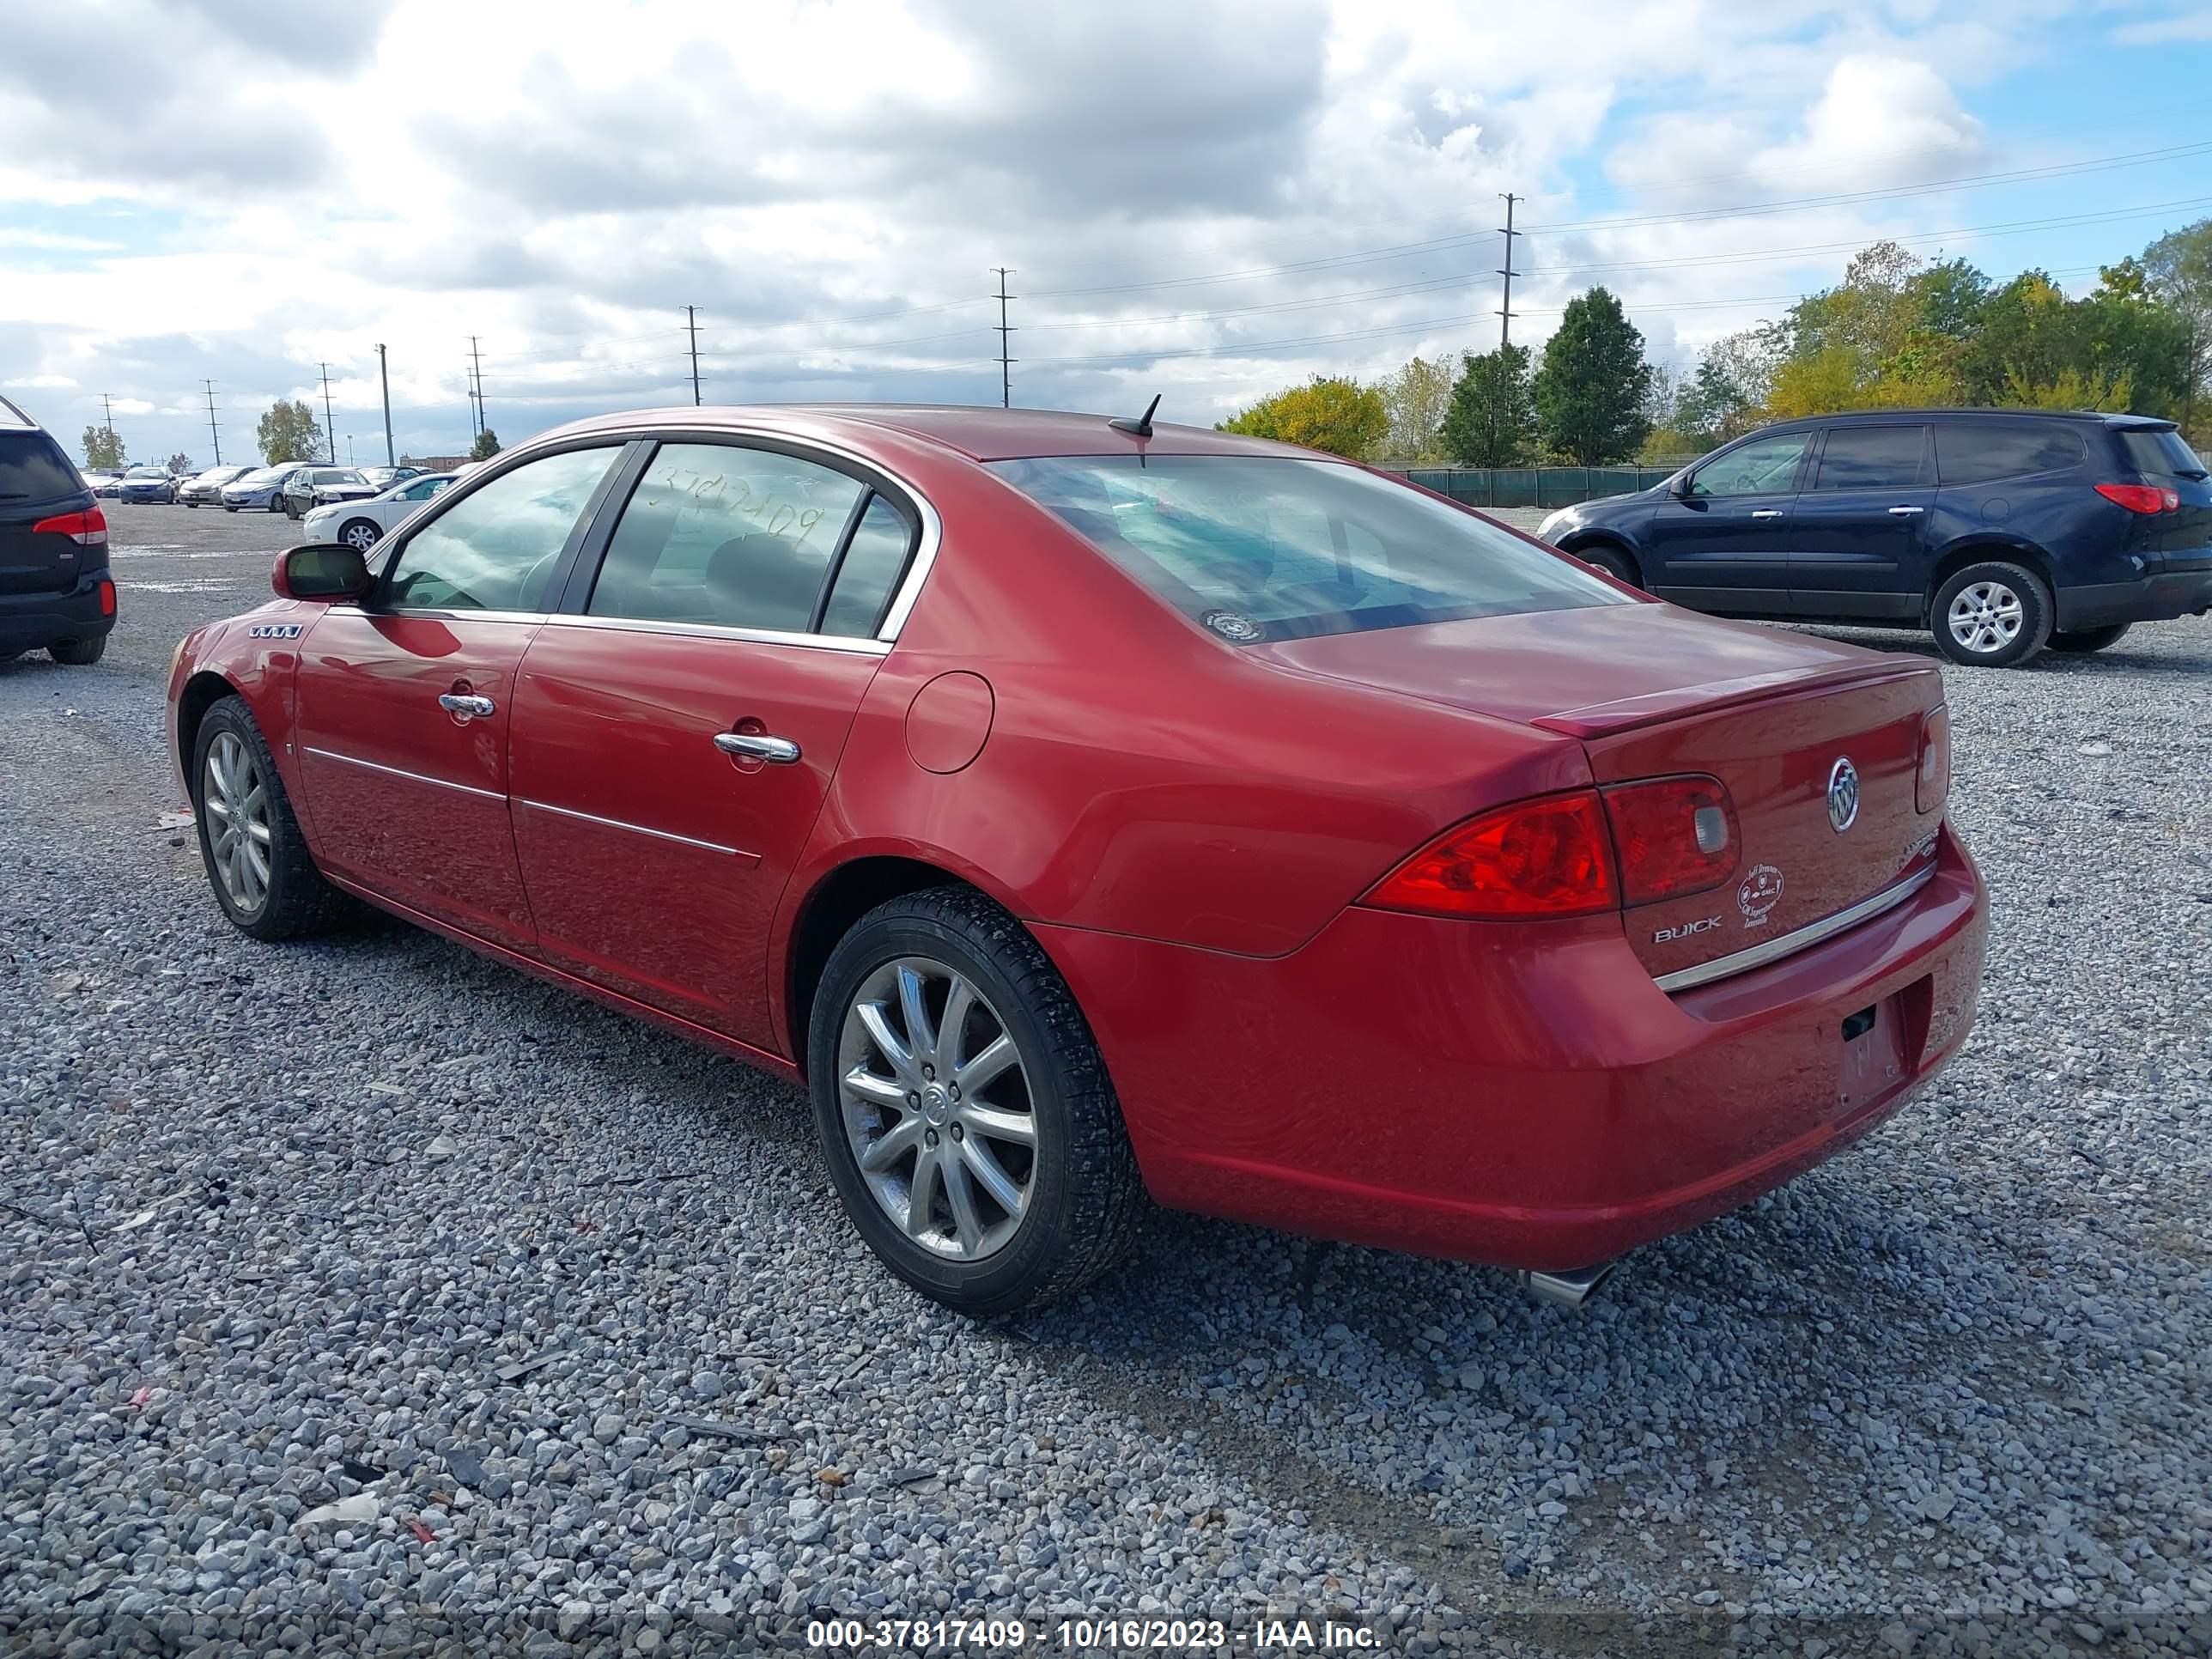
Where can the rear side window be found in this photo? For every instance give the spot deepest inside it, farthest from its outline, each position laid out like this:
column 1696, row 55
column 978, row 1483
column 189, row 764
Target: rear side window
column 1257, row 547
column 2165, row 454
column 868, row 572
column 1973, row 452
column 34, row 469
column 495, row 548
column 1871, row 458
column 725, row 536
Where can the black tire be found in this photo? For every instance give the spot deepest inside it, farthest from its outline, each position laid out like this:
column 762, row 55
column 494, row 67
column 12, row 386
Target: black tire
column 2006, row 591
column 79, row 654
column 296, row 901
column 227, row 507
column 1084, row 1198
column 346, row 530
column 1616, row 563
column 2089, row 639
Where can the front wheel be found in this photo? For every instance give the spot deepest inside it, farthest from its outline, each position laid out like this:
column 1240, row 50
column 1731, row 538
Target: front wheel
column 1992, row 616
column 1611, row 561
column 2089, row 639
column 359, row 534
column 966, row 1116
column 257, row 859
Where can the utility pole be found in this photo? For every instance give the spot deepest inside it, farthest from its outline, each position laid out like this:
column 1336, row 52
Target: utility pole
column 330, row 421
column 1505, row 311
column 384, row 374
column 691, row 322
column 475, row 359
column 108, row 413
column 1006, row 363
column 215, row 436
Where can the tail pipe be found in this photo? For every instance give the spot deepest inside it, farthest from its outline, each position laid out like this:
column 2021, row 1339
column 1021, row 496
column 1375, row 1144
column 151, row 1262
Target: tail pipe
column 1569, row 1289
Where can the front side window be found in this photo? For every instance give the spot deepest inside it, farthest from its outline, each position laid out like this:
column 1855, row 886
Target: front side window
column 1257, row 547
column 1871, row 458
column 1970, row 452
column 423, row 491
column 495, row 548
column 1764, row 466
column 725, row 536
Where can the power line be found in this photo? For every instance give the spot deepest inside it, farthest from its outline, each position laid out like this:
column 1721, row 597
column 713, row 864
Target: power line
column 1005, row 338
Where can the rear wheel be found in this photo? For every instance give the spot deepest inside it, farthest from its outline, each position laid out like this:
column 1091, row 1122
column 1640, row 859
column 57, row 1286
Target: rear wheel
column 967, row 1118
column 359, row 534
column 1992, row 616
column 79, row 654
column 2089, row 639
column 257, row 859
column 1604, row 556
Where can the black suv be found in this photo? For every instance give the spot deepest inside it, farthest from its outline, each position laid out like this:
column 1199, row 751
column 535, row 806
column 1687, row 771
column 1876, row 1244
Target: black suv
column 1999, row 531
column 55, row 591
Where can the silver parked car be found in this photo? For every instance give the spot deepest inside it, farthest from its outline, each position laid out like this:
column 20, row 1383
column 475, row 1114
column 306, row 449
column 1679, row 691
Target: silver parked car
column 205, row 488
column 259, row 488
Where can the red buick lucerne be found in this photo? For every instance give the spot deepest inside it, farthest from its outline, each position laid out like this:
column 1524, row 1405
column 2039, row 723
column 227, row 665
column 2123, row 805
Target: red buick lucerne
column 1086, row 809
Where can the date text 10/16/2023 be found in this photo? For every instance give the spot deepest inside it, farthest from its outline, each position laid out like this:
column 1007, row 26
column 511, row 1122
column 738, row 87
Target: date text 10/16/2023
column 1265, row 1636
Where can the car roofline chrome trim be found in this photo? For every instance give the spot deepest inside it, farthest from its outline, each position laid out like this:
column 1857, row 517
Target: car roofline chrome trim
column 401, row 772
column 637, row 828
column 1812, row 934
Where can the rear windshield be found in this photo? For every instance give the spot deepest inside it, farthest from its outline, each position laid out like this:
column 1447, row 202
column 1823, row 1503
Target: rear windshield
column 34, row 469
column 1258, row 547
column 2166, row 453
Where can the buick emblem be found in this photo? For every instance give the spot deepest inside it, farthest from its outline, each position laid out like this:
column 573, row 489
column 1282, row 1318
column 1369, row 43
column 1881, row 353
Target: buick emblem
column 1843, row 795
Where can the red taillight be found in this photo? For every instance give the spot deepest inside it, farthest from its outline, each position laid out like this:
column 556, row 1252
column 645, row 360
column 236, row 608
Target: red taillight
column 1546, row 857
column 1675, row 836
column 87, row 529
column 1931, row 778
column 107, row 599
column 2142, row 498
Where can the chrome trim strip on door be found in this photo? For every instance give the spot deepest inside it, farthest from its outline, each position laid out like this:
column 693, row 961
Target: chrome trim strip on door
column 712, row 631
column 1784, row 945
column 393, row 771
column 635, row 829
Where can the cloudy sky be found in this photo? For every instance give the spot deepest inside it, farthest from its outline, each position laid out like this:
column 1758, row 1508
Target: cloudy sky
column 1205, row 198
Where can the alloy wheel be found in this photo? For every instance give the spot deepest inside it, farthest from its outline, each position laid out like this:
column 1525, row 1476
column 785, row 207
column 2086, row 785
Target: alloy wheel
column 235, row 799
column 360, row 536
column 935, row 1098
column 1985, row 616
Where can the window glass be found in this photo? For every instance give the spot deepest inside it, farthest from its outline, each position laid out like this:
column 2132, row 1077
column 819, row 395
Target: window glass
column 495, row 548
column 423, row 491
column 2165, row 453
column 1871, row 458
column 1259, row 547
column 1764, row 466
column 871, row 570
column 1969, row 451
column 34, row 469
column 725, row 536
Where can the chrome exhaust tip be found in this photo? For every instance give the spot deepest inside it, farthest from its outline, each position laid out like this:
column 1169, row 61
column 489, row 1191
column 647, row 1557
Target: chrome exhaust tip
column 1569, row 1289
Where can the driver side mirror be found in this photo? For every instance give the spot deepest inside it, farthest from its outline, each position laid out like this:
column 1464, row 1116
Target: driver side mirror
column 323, row 571
column 1680, row 490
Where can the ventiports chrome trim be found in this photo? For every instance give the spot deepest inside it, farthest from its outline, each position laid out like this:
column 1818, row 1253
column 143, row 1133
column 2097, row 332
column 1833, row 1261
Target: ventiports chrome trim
column 1804, row 938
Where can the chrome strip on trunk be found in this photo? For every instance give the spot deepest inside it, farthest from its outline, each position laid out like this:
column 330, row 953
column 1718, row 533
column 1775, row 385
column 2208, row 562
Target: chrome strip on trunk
column 1784, row 945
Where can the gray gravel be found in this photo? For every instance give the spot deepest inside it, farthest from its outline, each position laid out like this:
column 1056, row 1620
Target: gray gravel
column 364, row 1293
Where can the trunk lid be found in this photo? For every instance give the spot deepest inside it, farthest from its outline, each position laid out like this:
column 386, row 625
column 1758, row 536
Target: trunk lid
column 37, row 483
column 1653, row 691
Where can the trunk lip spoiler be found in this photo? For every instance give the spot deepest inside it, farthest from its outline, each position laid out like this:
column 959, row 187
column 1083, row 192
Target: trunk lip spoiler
column 1601, row 720
column 1784, row 944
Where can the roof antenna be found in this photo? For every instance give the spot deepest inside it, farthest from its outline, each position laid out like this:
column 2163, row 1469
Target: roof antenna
column 1142, row 426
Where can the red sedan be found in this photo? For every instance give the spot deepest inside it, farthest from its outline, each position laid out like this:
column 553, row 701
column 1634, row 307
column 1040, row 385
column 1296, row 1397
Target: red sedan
column 1084, row 810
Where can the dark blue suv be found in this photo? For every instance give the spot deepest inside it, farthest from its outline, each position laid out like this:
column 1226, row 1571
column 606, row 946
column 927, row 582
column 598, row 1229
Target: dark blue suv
column 55, row 589
column 1999, row 531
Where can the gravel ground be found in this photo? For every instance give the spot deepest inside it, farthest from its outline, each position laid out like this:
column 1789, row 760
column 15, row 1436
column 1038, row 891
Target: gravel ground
column 364, row 1294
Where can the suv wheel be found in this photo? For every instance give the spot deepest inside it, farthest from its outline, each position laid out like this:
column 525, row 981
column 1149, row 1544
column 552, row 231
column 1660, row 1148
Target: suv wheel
column 1616, row 564
column 79, row 654
column 257, row 859
column 967, row 1118
column 2089, row 639
column 1992, row 616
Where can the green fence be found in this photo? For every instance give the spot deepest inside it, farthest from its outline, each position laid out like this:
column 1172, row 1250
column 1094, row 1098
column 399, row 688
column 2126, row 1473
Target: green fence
column 1535, row 486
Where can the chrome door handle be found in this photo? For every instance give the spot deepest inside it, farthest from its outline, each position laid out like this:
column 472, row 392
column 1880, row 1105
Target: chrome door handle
column 1906, row 511
column 467, row 707
column 1767, row 513
column 757, row 745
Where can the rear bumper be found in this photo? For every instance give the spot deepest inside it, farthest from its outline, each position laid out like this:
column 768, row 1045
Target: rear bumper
column 1524, row 1096
column 2168, row 588
column 31, row 621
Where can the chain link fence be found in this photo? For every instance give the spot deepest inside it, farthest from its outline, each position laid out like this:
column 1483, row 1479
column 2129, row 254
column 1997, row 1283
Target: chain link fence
column 1535, row 486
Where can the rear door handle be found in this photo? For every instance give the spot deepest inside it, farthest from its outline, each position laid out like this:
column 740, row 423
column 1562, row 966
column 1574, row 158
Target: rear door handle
column 1767, row 513
column 757, row 745
column 1906, row 511
column 467, row 706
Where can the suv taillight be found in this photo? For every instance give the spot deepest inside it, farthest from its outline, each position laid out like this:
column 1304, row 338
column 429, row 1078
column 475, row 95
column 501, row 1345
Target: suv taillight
column 1541, row 858
column 87, row 529
column 1931, row 778
column 2142, row 498
column 1674, row 836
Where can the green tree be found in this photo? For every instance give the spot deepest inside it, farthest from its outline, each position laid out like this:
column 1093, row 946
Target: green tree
column 289, row 432
column 1590, row 393
column 179, row 464
column 2178, row 268
column 1492, row 421
column 485, row 446
column 102, row 448
column 1416, row 398
column 1328, row 413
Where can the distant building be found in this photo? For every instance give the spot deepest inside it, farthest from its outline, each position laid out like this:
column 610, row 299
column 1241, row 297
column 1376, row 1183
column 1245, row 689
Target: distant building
column 436, row 463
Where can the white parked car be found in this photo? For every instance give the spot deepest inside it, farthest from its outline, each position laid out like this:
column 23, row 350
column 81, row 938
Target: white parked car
column 362, row 525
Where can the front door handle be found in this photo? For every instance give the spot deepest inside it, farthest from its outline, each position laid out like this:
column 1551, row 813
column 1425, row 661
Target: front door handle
column 1906, row 511
column 467, row 706
column 757, row 745
column 1767, row 513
